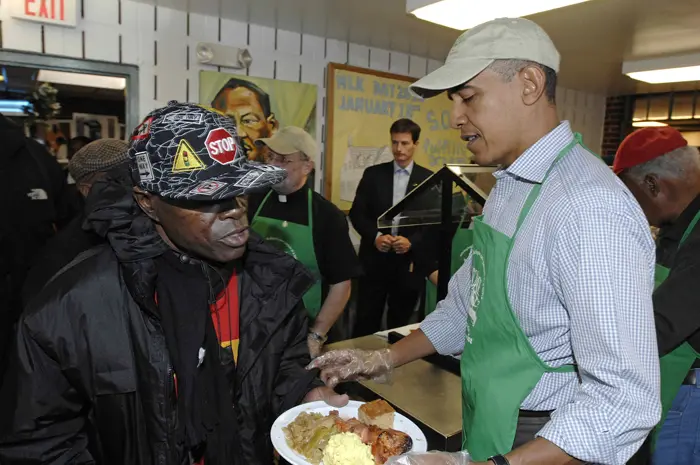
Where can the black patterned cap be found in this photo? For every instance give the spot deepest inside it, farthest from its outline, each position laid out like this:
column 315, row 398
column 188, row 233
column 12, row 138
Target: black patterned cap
column 190, row 152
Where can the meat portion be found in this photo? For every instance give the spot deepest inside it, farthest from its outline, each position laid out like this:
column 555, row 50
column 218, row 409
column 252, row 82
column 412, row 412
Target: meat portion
column 390, row 443
column 385, row 443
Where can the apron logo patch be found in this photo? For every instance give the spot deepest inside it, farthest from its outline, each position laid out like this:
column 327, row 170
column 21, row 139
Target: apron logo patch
column 185, row 158
column 465, row 254
column 477, row 289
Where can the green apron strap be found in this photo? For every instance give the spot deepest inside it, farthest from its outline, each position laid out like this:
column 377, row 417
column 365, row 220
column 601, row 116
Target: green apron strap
column 536, row 189
column 267, row 196
column 311, row 217
column 534, row 193
column 690, row 228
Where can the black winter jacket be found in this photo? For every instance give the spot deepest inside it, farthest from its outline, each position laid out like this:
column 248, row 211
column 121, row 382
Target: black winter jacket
column 90, row 379
column 34, row 201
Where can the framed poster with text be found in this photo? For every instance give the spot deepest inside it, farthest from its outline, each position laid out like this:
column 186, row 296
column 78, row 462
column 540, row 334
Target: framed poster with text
column 361, row 105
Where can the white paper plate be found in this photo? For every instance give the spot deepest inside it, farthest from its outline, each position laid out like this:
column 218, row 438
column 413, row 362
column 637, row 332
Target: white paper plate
column 401, row 423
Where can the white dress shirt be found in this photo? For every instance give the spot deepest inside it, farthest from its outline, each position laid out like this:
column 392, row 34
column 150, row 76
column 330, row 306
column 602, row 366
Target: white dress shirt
column 401, row 177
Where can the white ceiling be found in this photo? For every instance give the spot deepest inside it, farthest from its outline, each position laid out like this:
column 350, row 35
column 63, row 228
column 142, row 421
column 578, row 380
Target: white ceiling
column 594, row 37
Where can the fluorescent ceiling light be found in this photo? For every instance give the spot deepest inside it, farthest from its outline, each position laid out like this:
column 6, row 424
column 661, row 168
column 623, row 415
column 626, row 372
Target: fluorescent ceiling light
column 84, row 80
column 12, row 112
column 661, row 70
column 465, row 14
column 648, row 124
column 14, row 103
column 658, row 76
column 13, row 107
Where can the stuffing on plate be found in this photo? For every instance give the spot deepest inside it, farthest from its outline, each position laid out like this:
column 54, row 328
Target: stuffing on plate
column 347, row 449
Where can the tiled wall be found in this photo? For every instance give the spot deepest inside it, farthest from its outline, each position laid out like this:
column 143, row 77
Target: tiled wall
column 162, row 43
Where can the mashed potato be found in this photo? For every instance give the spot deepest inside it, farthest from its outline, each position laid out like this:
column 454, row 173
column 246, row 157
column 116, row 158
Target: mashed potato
column 347, row 449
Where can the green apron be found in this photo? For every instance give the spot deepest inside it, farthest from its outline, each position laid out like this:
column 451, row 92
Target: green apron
column 296, row 240
column 499, row 366
column 674, row 365
column 461, row 245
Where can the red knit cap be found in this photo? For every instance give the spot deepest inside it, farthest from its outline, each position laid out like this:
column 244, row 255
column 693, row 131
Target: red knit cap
column 644, row 145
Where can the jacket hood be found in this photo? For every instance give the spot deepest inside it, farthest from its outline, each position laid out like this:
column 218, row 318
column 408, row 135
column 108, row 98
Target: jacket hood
column 113, row 214
column 12, row 137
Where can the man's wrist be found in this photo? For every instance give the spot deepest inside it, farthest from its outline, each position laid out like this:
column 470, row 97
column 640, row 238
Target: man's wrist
column 322, row 338
column 499, row 460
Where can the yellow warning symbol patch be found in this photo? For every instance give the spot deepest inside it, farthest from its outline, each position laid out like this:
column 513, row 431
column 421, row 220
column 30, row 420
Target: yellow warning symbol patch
column 185, row 159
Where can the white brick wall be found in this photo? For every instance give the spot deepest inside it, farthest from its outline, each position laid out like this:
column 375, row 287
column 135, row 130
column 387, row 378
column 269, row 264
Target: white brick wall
column 156, row 39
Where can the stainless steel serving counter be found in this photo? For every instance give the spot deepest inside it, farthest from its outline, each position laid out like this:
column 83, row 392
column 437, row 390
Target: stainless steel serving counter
column 426, row 393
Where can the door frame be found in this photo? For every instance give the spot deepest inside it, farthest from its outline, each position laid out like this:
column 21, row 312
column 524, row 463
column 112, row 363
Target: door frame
column 59, row 63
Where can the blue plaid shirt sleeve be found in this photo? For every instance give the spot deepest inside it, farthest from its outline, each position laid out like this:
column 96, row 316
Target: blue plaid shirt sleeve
column 446, row 327
column 603, row 262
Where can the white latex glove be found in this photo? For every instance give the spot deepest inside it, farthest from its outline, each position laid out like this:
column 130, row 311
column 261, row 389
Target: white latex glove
column 431, row 458
column 353, row 364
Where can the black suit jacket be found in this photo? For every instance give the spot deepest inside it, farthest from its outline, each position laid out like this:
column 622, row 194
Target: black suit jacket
column 374, row 196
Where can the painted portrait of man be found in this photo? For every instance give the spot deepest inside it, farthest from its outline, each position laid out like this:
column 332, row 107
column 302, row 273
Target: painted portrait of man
column 250, row 108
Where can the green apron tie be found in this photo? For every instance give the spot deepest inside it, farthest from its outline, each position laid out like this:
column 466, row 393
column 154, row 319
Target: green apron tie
column 296, row 240
column 499, row 366
column 676, row 364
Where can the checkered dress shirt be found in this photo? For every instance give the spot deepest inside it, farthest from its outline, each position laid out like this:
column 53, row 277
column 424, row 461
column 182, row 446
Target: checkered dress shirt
column 580, row 279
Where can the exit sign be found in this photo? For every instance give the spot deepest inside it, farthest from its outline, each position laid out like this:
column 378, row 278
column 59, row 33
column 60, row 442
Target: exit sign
column 59, row 12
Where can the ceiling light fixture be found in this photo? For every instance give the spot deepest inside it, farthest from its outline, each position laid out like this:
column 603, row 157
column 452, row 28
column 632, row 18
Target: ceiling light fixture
column 465, row 14
column 662, row 70
column 13, row 107
column 80, row 79
column 648, row 124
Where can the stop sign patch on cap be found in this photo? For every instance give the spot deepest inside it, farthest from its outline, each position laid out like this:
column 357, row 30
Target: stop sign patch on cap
column 221, row 146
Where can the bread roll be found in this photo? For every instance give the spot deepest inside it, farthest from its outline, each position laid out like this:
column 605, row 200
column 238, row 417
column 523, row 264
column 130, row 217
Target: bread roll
column 378, row 413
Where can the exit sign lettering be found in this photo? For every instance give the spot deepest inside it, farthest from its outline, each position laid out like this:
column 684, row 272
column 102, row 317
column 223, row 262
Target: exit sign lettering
column 59, row 12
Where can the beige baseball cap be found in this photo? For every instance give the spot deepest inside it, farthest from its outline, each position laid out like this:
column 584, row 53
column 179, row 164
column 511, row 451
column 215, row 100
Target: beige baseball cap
column 289, row 140
column 477, row 48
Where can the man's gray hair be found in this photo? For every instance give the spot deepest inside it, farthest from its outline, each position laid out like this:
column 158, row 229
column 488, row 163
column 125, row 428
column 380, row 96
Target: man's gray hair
column 507, row 69
column 674, row 164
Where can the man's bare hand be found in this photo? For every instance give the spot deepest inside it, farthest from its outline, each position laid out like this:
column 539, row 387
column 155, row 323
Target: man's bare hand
column 327, row 395
column 315, row 346
column 433, row 277
column 401, row 245
column 384, row 243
